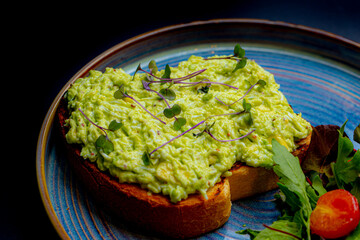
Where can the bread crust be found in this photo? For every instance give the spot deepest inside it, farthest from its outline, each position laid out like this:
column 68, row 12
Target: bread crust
column 188, row 218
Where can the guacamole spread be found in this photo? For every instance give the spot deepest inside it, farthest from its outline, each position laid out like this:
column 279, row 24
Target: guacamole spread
column 230, row 103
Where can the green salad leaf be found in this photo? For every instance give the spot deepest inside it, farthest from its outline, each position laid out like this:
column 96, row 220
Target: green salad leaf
column 357, row 134
column 299, row 192
column 293, row 184
column 347, row 166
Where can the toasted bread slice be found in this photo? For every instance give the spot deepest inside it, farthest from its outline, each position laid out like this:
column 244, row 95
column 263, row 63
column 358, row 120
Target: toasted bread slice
column 188, row 218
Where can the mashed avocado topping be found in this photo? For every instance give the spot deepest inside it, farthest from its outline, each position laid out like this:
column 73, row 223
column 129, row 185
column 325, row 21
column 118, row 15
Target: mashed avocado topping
column 192, row 162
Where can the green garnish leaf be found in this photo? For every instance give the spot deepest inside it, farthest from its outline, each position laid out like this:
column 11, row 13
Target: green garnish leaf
column 167, row 73
column 168, row 113
column 356, row 189
column 357, row 134
column 105, row 144
column 250, row 232
column 346, row 169
column 248, row 118
column 179, row 122
column 291, row 177
column 261, row 82
column 317, row 183
column 281, row 229
column 152, row 66
column 137, row 69
column 114, row 125
column 239, row 51
column 240, row 64
column 204, row 89
column 120, row 94
column 246, row 106
column 168, row 93
column 146, row 158
column 173, row 111
column 176, row 109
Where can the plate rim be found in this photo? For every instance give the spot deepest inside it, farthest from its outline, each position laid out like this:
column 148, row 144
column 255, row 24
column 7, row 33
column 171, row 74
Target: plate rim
column 46, row 126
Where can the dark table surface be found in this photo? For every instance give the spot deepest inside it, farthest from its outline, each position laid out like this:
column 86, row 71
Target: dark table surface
column 52, row 42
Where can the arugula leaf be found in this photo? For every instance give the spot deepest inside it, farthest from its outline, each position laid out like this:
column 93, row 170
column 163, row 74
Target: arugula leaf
column 281, row 229
column 317, row 184
column 250, row 232
column 291, row 176
column 357, row 134
column 347, row 166
column 356, row 189
column 291, row 199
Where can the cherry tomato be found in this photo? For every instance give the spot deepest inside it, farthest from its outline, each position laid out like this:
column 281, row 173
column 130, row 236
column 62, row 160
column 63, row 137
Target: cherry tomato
column 336, row 214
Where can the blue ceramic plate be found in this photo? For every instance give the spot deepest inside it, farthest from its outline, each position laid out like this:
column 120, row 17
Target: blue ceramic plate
column 317, row 71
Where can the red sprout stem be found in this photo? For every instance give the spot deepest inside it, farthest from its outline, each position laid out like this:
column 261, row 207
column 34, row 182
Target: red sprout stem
column 144, row 108
column 176, row 137
column 160, row 95
column 195, row 83
column 101, row 128
column 239, row 98
column 226, row 114
column 229, row 57
column 173, row 79
column 278, row 230
column 230, row 140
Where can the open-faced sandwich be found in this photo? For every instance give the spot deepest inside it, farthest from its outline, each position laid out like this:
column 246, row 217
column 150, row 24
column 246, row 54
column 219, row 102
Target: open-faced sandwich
column 170, row 149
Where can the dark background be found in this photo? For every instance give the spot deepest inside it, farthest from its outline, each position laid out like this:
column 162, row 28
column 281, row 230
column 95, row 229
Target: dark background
column 50, row 42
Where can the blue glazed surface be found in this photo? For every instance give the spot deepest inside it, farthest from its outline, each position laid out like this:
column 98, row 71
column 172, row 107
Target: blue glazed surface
column 325, row 90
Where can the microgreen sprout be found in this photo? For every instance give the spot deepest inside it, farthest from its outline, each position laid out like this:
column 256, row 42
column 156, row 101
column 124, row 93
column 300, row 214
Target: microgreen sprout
column 179, row 122
column 260, row 82
column 207, row 130
column 176, row 137
column 103, row 141
column 146, row 158
column 239, row 56
column 172, row 111
column 169, row 112
column 205, row 81
column 147, row 87
column 168, row 93
column 121, row 94
column 166, row 76
column 246, row 109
